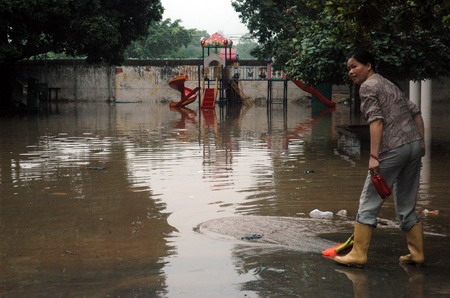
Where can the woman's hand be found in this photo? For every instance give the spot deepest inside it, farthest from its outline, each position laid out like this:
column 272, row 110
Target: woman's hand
column 374, row 166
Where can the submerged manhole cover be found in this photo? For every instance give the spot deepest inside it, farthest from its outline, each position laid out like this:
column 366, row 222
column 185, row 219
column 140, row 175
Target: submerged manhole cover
column 293, row 233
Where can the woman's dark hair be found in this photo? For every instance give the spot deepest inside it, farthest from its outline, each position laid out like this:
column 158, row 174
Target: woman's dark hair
column 365, row 58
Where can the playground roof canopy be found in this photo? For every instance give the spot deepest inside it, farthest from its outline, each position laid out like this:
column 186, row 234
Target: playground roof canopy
column 216, row 41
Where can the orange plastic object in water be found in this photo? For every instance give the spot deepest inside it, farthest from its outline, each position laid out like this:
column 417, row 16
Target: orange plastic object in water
column 335, row 250
column 331, row 252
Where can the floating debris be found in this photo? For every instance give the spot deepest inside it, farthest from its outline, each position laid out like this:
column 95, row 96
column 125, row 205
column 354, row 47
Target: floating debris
column 308, row 172
column 386, row 222
column 316, row 213
column 96, row 150
column 59, row 194
column 342, row 213
column 69, row 252
column 97, row 168
column 382, row 221
column 252, row 237
column 430, row 212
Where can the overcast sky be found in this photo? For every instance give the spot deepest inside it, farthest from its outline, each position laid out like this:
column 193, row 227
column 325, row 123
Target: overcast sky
column 209, row 15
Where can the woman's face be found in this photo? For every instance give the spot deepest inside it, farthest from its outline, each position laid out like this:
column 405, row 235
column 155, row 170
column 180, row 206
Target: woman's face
column 358, row 72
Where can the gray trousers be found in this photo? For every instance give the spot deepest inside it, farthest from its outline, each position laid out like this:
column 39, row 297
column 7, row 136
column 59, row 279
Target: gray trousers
column 402, row 166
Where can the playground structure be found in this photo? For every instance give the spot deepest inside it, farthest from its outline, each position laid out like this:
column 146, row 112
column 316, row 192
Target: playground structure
column 220, row 79
column 315, row 93
column 220, row 56
column 209, row 95
column 187, row 95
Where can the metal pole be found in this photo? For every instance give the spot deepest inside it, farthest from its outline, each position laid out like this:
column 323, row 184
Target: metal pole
column 199, row 87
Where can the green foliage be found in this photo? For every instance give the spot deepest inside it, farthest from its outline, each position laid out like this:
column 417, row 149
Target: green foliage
column 264, row 19
column 194, row 48
column 245, row 47
column 272, row 24
column 98, row 30
column 318, row 57
column 163, row 40
column 310, row 39
column 415, row 55
column 410, row 37
column 170, row 40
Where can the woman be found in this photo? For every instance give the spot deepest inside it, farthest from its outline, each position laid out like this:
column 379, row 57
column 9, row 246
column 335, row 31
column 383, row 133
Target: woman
column 396, row 147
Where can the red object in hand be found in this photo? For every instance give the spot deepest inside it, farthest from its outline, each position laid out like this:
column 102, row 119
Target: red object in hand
column 381, row 186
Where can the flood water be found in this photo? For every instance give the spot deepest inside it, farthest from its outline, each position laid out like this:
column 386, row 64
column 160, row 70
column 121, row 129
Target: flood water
column 137, row 200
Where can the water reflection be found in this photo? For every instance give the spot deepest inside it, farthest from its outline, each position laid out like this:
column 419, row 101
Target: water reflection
column 102, row 199
column 352, row 140
column 64, row 232
column 360, row 281
column 288, row 273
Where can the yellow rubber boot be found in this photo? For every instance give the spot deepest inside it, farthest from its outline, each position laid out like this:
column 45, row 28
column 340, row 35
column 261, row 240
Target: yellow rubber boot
column 357, row 257
column 414, row 238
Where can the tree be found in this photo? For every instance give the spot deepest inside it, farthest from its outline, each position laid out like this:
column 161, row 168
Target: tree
column 310, row 39
column 194, row 48
column 97, row 29
column 164, row 39
column 317, row 55
column 246, row 47
column 410, row 37
column 270, row 22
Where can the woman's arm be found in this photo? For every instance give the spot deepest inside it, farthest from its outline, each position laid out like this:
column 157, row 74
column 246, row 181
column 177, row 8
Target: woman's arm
column 376, row 132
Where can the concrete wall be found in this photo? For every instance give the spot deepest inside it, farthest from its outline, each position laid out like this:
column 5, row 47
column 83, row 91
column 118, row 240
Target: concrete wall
column 78, row 81
column 146, row 80
column 136, row 80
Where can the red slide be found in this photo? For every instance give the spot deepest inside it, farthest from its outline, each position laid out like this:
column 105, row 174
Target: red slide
column 314, row 92
column 209, row 99
column 188, row 95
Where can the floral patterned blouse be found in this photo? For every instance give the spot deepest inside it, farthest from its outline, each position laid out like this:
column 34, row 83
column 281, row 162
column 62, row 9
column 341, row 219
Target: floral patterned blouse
column 383, row 100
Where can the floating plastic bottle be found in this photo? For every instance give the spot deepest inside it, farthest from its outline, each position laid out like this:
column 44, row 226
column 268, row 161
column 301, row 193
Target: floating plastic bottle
column 316, row 213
